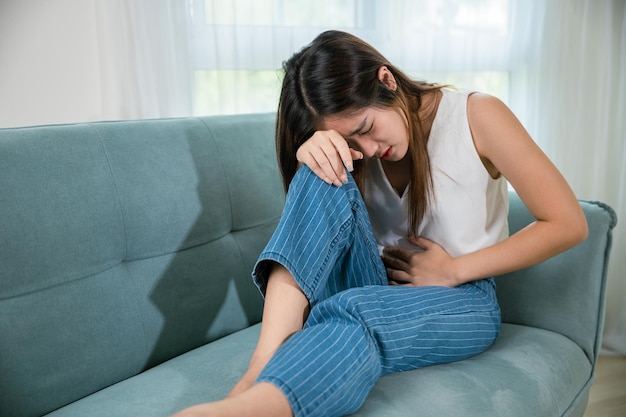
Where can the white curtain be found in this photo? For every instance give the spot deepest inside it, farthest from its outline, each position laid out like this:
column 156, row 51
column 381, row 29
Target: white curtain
column 559, row 64
column 144, row 58
column 577, row 113
column 450, row 36
column 430, row 39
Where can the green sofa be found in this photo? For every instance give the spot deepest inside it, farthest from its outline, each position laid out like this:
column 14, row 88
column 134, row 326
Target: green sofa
column 125, row 257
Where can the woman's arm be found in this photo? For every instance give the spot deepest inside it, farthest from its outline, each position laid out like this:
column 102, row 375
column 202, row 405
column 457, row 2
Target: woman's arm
column 506, row 149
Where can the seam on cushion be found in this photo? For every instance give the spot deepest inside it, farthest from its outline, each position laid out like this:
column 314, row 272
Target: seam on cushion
column 201, row 243
column 80, row 278
column 230, row 196
column 109, row 266
column 581, row 392
column 179, row 250
column 117, row 192
column 254, row 226
column 608, row 209
column 146, row 348
column 608, row 241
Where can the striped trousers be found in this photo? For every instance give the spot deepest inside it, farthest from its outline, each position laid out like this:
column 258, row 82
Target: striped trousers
column 359, row 328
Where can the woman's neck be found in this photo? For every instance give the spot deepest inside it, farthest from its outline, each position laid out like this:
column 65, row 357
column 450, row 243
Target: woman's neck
column 428, row 110
column 399, row 173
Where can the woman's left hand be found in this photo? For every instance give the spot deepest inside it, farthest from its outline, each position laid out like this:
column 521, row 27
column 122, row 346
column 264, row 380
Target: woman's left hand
column 433, row 267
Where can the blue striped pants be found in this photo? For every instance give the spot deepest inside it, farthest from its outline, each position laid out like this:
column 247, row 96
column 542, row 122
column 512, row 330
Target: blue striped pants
column 359, row 327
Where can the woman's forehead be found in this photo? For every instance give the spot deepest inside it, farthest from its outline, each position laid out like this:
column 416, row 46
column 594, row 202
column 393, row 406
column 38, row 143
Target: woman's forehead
column 347, row 123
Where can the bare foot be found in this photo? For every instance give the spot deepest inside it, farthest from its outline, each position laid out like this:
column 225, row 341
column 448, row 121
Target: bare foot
column 264, row 400
column 249, row 378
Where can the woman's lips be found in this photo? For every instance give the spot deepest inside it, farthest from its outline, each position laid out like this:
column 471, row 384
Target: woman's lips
column 387, row 153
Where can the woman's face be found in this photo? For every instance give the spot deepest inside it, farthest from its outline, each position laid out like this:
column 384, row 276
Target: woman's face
column 375, row 132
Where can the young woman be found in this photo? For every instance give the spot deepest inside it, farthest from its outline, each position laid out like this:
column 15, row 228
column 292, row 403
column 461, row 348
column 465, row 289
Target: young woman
column 394, row 224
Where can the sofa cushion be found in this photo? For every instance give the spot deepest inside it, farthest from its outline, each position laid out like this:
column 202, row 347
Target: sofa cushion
column 203, row 374
column 577, row 277
column 50, row 181
column 527, row 372
column 524, row 363
column 125, row 244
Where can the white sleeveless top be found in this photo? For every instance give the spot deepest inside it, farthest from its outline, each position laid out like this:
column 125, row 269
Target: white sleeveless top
column 469, row 210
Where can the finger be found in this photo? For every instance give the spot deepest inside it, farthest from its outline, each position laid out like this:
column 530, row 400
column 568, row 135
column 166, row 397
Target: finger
column 398, row 252
column 356, row 155
column 344, row 151
column 315, row 153
column 396, row 263
column 333, row 164
column 324, row 158
column 420, row 242
column 400, row 284
column 310, row 160
column 391, row 262
column 396, row 277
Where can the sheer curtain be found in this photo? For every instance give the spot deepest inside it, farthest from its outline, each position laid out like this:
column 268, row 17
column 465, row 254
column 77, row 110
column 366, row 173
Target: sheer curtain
column 239, row 46
column 559, row 64
column 577, row 113
column 144, row 58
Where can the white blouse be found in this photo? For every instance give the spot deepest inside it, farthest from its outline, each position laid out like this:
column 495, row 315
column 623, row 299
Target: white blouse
column 470, row 208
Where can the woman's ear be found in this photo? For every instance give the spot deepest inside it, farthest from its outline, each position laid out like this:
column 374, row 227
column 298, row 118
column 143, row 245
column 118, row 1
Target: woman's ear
column 386, row 77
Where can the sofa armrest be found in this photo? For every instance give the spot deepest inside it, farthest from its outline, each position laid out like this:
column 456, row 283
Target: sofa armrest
column 565, row 294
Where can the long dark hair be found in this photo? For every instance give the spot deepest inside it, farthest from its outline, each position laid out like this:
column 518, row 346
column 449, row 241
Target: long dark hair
column 338, row 73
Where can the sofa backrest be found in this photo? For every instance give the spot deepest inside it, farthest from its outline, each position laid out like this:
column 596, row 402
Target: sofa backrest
column 565, row 294
column 124, row 244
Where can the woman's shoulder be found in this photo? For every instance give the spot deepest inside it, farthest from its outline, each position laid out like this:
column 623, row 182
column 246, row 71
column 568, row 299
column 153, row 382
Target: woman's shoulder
column 487, row 112
column 473, row 97
column 478, row 102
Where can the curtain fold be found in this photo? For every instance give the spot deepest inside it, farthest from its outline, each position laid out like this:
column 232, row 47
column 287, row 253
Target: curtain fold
column 576, row 107
column 450, row 36
column 144, row 58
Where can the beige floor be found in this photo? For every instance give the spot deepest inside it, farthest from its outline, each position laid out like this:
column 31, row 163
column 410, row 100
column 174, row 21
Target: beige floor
column 608, row 392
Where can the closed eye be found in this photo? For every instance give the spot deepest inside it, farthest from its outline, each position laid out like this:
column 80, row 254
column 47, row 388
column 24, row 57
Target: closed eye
column 368, row 130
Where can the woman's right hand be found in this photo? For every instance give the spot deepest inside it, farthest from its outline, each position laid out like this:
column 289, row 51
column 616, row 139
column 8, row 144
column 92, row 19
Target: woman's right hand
column 327, row 153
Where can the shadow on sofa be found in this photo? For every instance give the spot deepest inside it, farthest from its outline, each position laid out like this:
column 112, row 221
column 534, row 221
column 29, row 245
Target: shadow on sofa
column 188, row 289
column 125, row 257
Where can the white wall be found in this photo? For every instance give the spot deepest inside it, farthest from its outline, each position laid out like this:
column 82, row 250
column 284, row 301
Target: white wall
column 49, row 64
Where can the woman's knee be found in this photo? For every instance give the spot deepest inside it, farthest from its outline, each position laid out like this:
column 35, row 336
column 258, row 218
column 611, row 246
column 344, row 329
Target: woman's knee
column 348, row 306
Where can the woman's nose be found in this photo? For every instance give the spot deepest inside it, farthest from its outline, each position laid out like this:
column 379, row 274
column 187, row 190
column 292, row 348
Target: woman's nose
column 369, row 148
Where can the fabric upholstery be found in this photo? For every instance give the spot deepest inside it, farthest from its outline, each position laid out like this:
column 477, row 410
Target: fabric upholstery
column 125, row 257
column 560, row 294
column 125, row 244
column 534, row 361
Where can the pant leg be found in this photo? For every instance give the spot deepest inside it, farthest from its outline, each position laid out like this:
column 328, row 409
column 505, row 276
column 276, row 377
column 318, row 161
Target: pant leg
column 324, row 238
column 354, row 337
column 359, row 328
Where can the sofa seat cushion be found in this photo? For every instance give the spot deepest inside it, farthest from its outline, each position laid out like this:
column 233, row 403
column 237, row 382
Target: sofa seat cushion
column 524, row 363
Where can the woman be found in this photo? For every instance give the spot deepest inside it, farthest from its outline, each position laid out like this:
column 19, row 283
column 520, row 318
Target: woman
column 388, row 268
